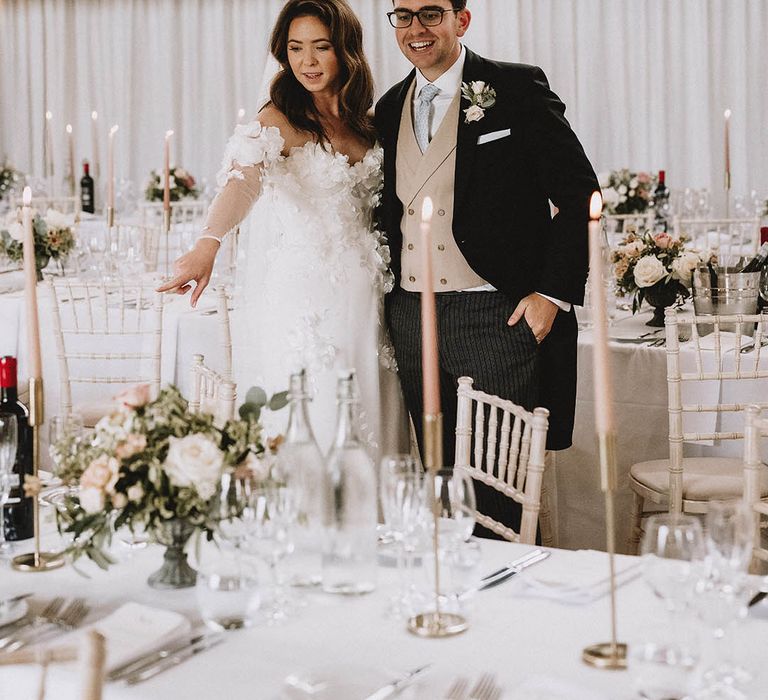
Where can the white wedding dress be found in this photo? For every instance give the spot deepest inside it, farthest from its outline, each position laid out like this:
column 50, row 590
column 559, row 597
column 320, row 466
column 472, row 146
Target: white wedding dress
column 311, row 275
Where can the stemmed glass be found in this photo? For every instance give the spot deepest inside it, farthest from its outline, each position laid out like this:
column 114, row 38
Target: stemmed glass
column 64, row 435
column 270, row 538
column 672, row 551
column 723, row 594
column 402, row 499
column 8, row 445
column 455, row 495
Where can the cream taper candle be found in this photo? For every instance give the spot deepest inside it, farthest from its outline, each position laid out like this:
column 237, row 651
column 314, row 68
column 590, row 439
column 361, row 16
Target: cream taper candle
column 30, row 289
column 429, row 355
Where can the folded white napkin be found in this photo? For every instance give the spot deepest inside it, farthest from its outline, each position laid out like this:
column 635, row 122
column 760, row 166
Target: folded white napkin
column 134, row 629
column 547, row 688
column 576, row 578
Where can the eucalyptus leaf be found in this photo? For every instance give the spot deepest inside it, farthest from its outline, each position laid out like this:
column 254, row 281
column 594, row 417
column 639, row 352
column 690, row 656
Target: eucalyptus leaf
column 256, row 395
column 278, row 401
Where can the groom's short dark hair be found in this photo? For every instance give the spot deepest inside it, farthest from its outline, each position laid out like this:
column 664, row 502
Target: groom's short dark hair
column 459, row 4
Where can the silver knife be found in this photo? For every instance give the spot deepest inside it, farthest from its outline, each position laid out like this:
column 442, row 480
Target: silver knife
column 517, row 562
column 506, row 575
column 153, row 669
column 15, row 599
column 393, row 688
column 170, row 647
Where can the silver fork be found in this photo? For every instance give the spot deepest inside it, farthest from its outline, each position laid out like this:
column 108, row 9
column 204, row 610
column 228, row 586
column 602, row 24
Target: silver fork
column 458, row 689
column 484, row 689
column 43, row 618
column 68, row 620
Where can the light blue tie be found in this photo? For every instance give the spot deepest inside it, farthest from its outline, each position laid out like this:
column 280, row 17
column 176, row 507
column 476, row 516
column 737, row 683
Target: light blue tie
column 421, row 118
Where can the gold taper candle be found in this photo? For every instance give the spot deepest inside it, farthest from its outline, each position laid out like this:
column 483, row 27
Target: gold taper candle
column 70, row 160
column 111, row 168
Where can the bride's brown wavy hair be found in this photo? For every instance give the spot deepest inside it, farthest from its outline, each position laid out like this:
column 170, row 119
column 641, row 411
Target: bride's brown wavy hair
column 356, row 93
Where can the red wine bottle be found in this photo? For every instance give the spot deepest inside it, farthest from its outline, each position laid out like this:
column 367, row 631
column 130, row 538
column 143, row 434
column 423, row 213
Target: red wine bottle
column 87, row 201
column 661, row 202
column 18, row 515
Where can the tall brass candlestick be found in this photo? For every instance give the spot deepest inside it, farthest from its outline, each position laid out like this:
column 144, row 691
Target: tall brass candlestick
column 436, row 623
column 610, row 655
column 36, row 560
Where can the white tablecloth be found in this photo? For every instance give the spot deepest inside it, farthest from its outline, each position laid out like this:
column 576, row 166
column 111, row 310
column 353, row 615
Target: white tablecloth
column 519, row 639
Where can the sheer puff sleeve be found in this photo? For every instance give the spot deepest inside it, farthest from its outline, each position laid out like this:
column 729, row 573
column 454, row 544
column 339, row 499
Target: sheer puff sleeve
column 251, row 148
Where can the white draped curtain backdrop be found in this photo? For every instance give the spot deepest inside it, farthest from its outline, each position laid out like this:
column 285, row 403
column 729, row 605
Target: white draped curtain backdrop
column 646, row 83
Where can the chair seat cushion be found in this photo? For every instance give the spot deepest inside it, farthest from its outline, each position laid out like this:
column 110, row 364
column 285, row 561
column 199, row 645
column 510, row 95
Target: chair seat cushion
column 704, row 478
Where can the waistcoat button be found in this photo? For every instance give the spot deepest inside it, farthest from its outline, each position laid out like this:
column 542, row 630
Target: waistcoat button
column 441, row 247
column 412, row 278
column 410, row 246
column 443, row 281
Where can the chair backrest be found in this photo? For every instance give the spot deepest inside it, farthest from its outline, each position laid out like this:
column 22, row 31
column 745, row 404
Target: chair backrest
column 503, row 445
column 618, row 225
column 211, row 392
column 755, row 427
column 186, row 222
column 707, row 361
column 225, row 331
column 106, row 333
column 66, row 205
column 728, row 238
column 137, row 244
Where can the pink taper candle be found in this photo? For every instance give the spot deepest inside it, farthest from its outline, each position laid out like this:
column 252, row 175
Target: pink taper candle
column 95, row 167
column 167, row 171
column 429, row 363
column 70, row 160
column 600, row 356
column 30, row 289
column 111, row 168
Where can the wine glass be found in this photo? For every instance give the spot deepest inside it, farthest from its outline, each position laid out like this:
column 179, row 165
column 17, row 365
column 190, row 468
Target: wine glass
column 234, row 511
column 273, row 510
column 402, row 498
column 64, row 435
column 8, row 444
column 723, row 593
column 452, row 492
column 672, row 550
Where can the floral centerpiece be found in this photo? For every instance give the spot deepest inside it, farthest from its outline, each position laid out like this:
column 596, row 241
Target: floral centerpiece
column 153, row 465
column 182, row 186
column 626, row 192
column 10, row 179
column 654, row 267
column 54, row 239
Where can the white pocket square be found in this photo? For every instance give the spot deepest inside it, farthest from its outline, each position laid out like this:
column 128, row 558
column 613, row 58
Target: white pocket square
column 493, row 136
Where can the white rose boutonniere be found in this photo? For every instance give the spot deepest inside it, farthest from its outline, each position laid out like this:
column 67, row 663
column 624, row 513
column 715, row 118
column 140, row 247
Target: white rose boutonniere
column 481, row 96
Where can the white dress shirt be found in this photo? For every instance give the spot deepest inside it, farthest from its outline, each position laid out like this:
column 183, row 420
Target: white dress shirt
column 449, row 84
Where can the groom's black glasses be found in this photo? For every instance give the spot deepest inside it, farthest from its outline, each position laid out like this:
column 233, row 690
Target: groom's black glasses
column 428, row 17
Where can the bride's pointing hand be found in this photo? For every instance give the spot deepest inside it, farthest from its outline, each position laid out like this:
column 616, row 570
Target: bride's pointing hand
column 195, row 266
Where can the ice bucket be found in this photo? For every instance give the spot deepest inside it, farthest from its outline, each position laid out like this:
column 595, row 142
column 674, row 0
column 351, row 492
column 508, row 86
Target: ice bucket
column 736, row 293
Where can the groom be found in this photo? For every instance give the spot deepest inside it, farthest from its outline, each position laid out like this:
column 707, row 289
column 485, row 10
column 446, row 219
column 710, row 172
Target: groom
column 505, row 271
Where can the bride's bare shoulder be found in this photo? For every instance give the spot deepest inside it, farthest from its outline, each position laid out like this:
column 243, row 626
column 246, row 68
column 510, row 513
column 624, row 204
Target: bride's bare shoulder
column 272, row 116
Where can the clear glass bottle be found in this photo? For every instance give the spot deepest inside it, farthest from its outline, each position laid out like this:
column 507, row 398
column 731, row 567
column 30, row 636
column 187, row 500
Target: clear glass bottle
column 349, row 502
column 301, row 464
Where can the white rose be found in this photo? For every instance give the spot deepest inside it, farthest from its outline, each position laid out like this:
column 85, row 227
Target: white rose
column 477, row 86
column 119, row 501
column 683, row 267
column 16, row 231
column 92, row 500
column 648, row 271
column 55, row 219
column 135, row 493
column 474, row 113
column 631, row 193
column 622, row 189
column 633, row 183
column 610, row 197
column 194, row 461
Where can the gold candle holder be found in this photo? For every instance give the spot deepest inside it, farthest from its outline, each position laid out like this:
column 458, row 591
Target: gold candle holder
column 436, row 623
column 110, row 217
column 167, row 231
column 36, row 560
column 608, row 655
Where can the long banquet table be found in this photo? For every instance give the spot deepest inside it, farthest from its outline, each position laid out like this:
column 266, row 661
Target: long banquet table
column 526, row 642
column 640, row 396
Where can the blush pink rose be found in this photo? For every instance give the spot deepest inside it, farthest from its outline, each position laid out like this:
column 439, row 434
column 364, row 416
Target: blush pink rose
column 134, row 397
column 662, row 240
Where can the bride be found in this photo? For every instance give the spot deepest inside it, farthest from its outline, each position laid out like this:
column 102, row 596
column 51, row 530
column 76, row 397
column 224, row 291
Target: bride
column 309, row 172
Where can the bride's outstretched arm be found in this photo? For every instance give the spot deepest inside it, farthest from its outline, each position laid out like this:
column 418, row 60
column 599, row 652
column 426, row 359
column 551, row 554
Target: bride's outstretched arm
column 228, row 208
column 253, row 147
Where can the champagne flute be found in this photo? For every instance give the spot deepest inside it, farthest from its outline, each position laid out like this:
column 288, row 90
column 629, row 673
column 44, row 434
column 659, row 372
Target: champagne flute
column 8, row 445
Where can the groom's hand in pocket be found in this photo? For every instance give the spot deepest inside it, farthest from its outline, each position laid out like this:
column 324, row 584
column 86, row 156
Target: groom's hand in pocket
column 539, row 314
